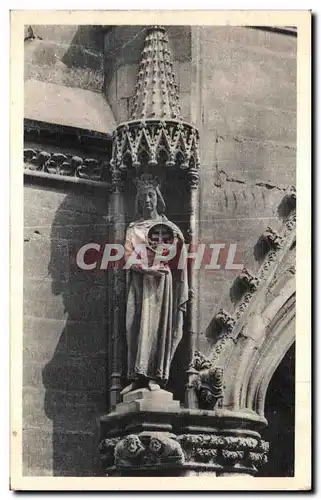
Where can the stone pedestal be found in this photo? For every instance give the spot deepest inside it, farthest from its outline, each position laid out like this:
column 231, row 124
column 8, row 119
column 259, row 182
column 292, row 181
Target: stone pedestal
column 146, row 400
column 149, row 434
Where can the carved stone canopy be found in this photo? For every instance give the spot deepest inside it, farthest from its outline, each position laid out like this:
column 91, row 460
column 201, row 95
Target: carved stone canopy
column 156, row 142
column 156, row 135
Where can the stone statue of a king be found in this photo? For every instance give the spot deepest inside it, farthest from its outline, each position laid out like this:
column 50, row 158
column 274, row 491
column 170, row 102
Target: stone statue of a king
column 157, row 290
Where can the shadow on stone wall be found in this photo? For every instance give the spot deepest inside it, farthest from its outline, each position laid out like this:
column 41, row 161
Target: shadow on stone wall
column 280, row 413
column 85, row 49
column 75, row 377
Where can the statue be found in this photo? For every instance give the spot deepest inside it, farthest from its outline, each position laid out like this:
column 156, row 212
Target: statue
column 157, row 292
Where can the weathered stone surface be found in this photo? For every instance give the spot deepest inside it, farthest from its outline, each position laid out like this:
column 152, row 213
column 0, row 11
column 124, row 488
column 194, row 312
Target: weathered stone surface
column 193, row 442
column 65, row 372
column 68, row 411
column 146, row 400
column 58, row 203
column 255, row 40
column 55, row 103
column 81, row 302
column 64, row 332
column 64, row 77
column 248, row 73
column 65, row 454
column 266, row 160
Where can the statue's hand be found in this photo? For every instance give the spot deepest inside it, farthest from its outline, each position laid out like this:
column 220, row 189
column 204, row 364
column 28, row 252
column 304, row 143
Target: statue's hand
column 137, row 268
column 156, row 271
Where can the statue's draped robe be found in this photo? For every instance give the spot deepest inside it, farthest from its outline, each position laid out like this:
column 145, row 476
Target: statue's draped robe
column 155, row 310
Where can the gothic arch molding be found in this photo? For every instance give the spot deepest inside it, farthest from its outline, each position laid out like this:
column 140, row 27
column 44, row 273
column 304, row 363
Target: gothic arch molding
column 280, row 336
column 262, row 338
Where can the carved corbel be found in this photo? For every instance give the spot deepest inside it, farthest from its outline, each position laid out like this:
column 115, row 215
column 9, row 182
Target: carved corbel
column 222, row 324
column 288, row 203
column 208, row 382
column 220, row 331
column 246, row 282
column 144, row 450
column 270, row 240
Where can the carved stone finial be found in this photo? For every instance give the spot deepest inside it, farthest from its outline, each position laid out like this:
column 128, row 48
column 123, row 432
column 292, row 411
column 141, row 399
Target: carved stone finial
column 243, row 283
column 269, row 240
column 156, row 94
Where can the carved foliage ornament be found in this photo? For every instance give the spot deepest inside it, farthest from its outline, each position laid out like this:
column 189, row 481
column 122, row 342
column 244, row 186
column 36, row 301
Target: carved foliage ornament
column 157, row 449
column 67, row 165
column 224, row 450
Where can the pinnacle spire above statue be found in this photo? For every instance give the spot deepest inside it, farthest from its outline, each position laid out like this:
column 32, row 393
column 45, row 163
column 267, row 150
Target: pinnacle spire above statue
column 156, row 91
column 155, row 135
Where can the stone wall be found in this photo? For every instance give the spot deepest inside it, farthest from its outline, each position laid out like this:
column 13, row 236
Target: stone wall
column 64, row 76
column 247, row 122
column 65, row 331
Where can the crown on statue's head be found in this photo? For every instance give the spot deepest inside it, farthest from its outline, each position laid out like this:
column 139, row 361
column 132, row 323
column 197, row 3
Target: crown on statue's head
column 146, row 181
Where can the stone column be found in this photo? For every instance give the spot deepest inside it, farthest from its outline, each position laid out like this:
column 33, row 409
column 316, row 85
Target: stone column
column 117, row 286
column 193, row 181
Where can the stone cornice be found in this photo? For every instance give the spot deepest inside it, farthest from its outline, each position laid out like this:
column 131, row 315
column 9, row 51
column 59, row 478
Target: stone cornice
column 283, row 30
column 66, row 165
column 65, row 136
column 61, row 181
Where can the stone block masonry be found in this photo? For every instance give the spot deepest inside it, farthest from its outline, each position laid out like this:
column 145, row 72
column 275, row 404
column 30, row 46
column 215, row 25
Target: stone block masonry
column 65, row 334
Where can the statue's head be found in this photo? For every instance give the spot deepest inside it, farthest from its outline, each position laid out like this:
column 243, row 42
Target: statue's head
column 149, row 198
